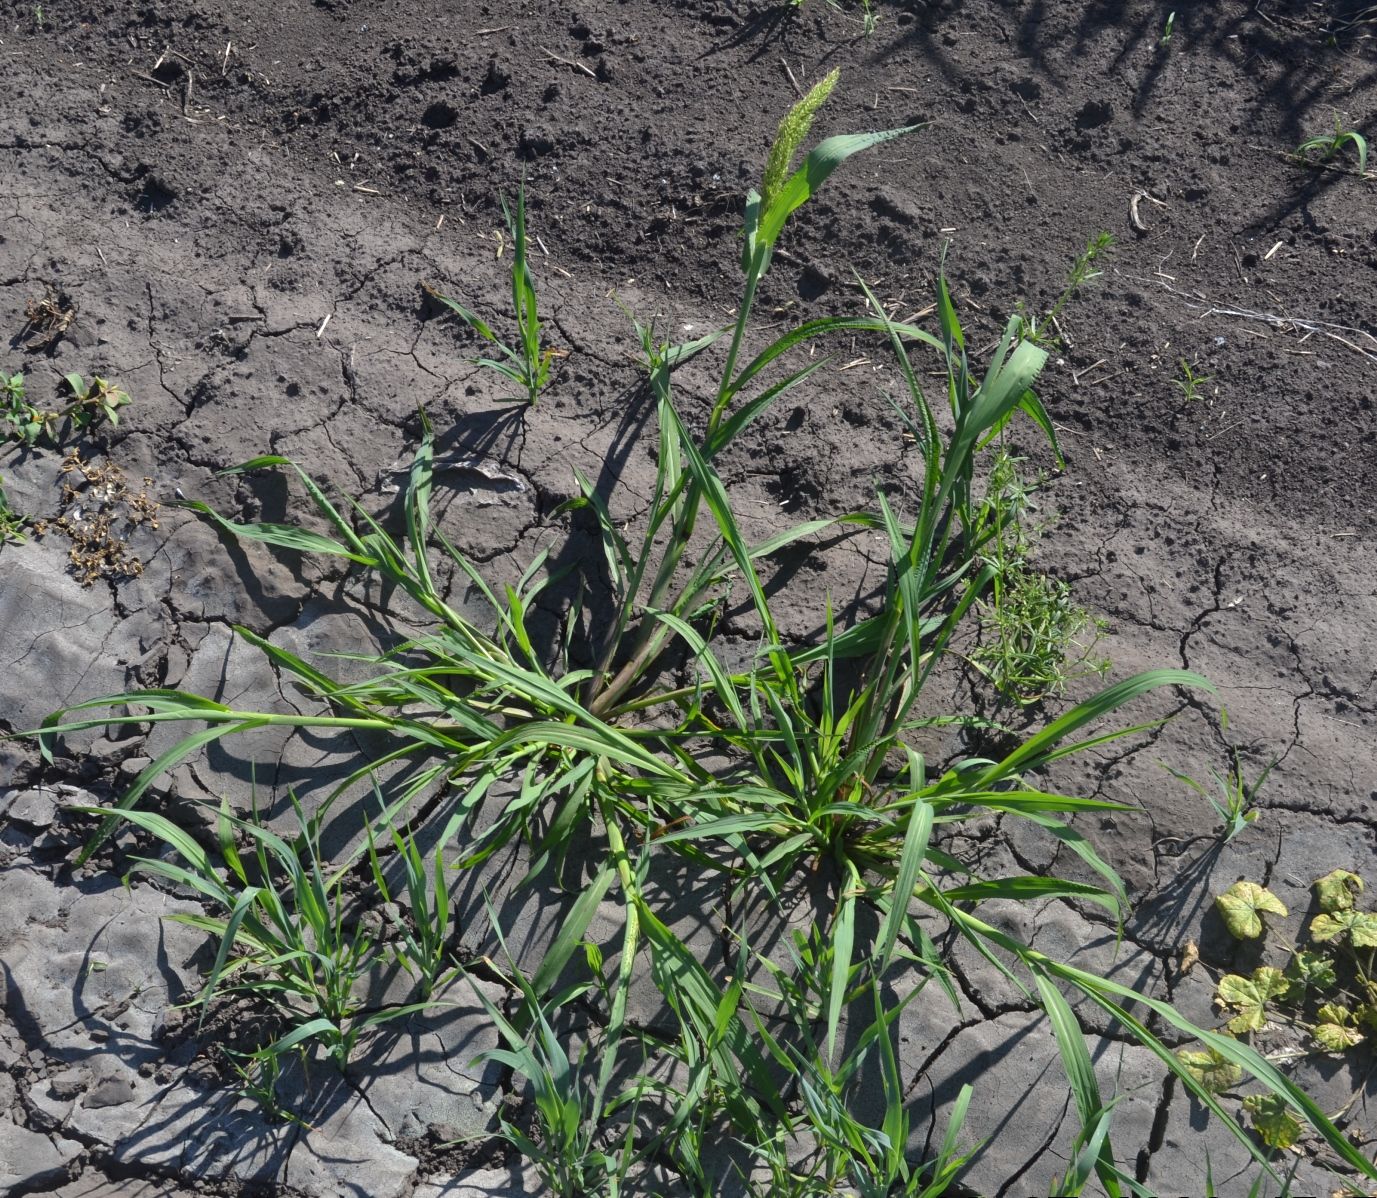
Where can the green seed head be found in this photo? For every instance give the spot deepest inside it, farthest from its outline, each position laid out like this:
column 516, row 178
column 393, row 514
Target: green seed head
column 793, row 129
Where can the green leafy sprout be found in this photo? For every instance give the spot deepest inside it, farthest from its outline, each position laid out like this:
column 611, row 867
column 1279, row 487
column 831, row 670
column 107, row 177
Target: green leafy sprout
column 634, row 737
column 88, row 404
column 528, row 364
column 1189, row 383
column 1329, row 145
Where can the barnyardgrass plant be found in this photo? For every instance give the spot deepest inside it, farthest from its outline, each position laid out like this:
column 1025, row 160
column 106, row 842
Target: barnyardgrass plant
column 821, row 771
column 286, row 935
column 527, row 364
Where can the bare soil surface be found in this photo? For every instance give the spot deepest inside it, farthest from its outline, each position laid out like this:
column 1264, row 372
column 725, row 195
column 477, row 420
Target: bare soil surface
column 240, row 202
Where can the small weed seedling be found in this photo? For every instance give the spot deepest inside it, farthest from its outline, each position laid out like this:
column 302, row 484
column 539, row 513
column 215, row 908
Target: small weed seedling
column 1326, row 994
column 93, row 400
column 88, row 404
column 528, row 365
column 1189, row 383
column 1330, row 144
column 1233, row 798
column 11, row 522
column 23, row 422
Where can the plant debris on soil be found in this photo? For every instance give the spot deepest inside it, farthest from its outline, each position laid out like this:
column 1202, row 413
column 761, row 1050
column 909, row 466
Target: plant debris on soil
column 245, row 212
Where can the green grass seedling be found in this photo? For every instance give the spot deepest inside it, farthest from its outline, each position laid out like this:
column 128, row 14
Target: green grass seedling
column 573, row 1154
column 528, row 363
column 283, row 931
column 422, row 932
column 843, row 1152
column 1191, row 384
column 1329, row 146
column 1232, row 798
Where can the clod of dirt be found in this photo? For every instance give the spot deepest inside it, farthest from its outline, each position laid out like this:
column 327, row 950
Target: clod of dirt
column 1026, row 88
column 814, row 282
column 1094, row 114
column 439, row 116
column 154, row 195
column 535, row 143
column 496, row 80
column 895, row 206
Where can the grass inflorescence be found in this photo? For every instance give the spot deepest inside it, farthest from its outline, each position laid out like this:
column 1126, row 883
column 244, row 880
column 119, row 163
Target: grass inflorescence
column 635, row 737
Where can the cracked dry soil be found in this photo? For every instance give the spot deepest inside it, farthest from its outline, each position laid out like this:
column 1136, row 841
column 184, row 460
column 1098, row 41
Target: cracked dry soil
column 244, row 198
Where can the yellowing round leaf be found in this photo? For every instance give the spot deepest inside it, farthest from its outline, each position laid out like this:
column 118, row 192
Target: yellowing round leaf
column 1213, row 1071
column 1359, row 926
column 1242, row 907
column 1337, row 890
column 1273, row 1120
column 1248, row 997
column 1334, row 1037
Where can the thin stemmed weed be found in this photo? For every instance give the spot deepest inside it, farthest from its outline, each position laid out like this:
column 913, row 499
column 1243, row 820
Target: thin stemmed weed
column 1045, row 330
column 528, row 364
column 1033, row 632
column 1031, row 627
column 823, row 741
